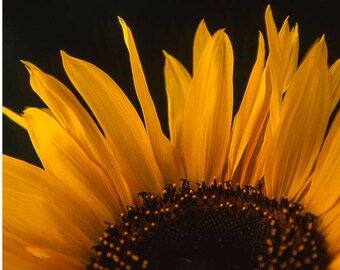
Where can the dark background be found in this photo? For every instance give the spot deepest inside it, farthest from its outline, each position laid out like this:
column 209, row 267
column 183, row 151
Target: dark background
column 36, row 30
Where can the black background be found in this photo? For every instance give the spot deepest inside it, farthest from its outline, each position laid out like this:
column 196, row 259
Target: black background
column 36, row 30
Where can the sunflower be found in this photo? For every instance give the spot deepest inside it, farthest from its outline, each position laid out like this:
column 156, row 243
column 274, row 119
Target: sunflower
column 258, row 190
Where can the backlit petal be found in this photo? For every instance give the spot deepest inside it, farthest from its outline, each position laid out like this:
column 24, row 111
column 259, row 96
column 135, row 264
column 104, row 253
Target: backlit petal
column 120, row 123
column 208, row 111
column 64, row 158
column 329, row 224
column 16, row 118
column 324, row 189
column 19, row 254
column 166, row 155
column 297, row 140
column 289, row 41
column 275, row 69
column 177, row 82
column 335, row 72
column 45, row 212
column 251, row 108
column 72, row 117
column 335, row 263
column 202, row 36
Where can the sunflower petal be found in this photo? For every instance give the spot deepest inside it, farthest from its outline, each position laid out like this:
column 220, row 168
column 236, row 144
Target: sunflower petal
column 16, row 118
column 177, row 82
column 120, row 122
column 329, row 225
column 320, row 197
column 19, row 254
column 275, row 70
column 65, row 159
column 335, row 263
column 202, row 36
column 72, row 116
column 33, row 210
column 249, row 112
column 297, row 140
column 335, row 72
column 289, row 41
column 166, row 155
column 208, row 111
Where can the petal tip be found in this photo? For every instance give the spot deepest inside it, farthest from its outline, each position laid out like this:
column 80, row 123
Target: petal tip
column 122, row 22
column 29, row 66
column 165, row 54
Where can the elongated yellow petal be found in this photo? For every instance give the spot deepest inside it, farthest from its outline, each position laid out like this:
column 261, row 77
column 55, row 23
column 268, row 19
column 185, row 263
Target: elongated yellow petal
column 297, row 140
column 250, row 109
column 16, row 118
column 275, row 70
column 177, row 82
column 166, row 155
column 64, row 158
column 208, row 111
column 71, row 115
column 324, row 189
column 46, row 212
column 67, row 110
column 20, row 254
column 335, row 72
column 289, row 41
column 202, row 36
column 120, row 123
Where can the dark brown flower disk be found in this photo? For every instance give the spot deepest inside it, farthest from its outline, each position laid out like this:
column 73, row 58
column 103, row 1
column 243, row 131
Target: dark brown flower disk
column 221, row 226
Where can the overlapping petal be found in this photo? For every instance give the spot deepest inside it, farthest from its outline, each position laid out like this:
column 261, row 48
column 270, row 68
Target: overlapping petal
column 177, row 83
column 279, row 134
column 43, row 213
column 335, row 72
column 71, row 115
column 320, row 198
column 208, row 111
column 301, row 128
column 166, row 155
column 120, row 123
column 202, row 37
column 65, row 159
column 250, row 117
column 282, row 61
column 19, row 254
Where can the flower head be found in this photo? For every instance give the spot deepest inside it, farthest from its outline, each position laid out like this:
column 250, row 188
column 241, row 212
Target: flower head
column 255, row 169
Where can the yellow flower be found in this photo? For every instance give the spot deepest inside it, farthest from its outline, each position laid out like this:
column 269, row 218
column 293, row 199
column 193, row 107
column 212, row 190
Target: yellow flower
column 280, row 136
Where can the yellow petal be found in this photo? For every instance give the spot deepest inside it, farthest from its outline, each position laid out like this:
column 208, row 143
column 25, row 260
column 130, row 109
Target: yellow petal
column 46, row 212
column 19, row 254
column 202, row 36
column 324, row 189
column 335, row 72
column 282, row 61
column 275, row 70
column 251, row 109
column 272, row 35
column 64, row 158
column 289, row 41
column 166, row 155
column 335, row 263
column 297, row 140
column 329, row 226
column 71, row 115
column 120, row 123
column 16, row 118
column 208, row 111
column 177, row 82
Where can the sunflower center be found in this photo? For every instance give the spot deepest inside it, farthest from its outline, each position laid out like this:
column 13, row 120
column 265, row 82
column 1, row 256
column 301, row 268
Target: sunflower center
column 212, row 227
